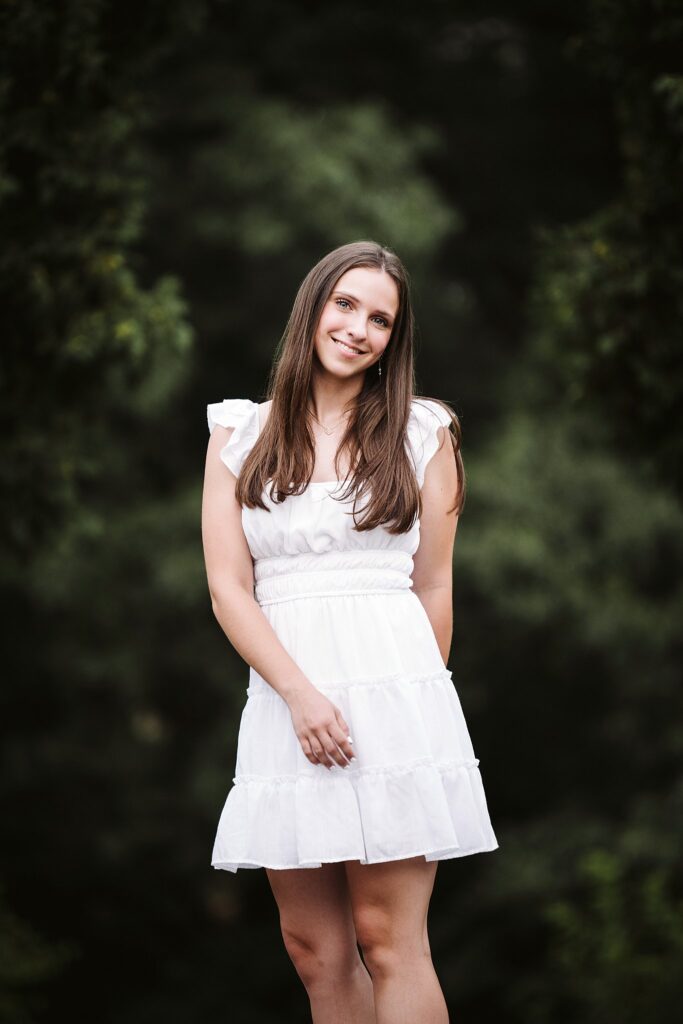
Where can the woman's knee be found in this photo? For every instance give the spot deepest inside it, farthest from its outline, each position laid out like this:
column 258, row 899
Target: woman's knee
column 386, row 948
column 319, row 956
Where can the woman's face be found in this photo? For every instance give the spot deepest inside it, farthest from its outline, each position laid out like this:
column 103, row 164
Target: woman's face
column 360, row 312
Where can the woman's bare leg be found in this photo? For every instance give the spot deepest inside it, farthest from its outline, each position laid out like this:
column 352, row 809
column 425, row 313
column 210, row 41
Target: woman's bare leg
column 317, row 928
column 390, row 903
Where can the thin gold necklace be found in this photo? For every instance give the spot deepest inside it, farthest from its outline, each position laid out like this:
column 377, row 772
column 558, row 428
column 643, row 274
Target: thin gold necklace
column 332, row 430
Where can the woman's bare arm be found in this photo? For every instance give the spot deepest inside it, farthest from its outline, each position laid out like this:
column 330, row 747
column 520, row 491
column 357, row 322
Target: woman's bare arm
column 230, row 574
column 433, row 561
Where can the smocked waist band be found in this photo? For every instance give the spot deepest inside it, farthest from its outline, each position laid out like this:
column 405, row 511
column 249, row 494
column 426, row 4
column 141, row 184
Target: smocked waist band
column 330, row 573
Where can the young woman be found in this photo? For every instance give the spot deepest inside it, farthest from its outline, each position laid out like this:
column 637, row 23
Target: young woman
column 329, row 518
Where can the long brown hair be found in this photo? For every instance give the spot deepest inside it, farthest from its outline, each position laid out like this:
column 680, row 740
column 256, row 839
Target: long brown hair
column 284, row 454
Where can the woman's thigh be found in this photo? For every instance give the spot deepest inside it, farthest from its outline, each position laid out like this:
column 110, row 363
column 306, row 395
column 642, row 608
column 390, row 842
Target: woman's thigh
column 390, row 904
column 315, row 914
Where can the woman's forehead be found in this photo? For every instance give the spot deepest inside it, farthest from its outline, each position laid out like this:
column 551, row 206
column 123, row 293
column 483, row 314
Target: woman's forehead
column 370, row 287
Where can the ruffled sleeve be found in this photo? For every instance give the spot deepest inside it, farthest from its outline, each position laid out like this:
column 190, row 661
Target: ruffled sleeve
column 424, row 421
column 242, row 414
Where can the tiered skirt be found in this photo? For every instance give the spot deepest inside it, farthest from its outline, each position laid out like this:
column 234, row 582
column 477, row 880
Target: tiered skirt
column 362, row 637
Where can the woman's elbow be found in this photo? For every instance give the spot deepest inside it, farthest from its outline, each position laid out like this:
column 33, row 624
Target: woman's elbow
column 225, row 595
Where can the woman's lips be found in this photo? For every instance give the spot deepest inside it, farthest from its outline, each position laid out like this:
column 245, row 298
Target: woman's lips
column 350, row 353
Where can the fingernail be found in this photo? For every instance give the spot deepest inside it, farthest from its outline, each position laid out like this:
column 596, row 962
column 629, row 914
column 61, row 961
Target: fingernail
column 353, row 758
column 349, row 739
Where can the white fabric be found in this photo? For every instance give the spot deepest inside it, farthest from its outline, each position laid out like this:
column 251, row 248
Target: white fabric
column 341, row 604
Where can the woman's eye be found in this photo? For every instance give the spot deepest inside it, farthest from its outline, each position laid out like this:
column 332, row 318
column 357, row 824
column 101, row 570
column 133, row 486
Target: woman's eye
column 380, row 318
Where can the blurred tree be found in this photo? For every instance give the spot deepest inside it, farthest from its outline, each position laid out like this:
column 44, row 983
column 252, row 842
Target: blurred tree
column 616, row 957
column 27, row 961
column 577, row 574
column 607, row 309
column 88, row 356
column 568, row 602
column 84, row 346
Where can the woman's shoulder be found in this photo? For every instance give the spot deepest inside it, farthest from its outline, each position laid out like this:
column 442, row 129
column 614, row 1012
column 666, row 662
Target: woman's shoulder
column 264, row 412
column 241, row 415
column 230, row 412
column 426, row 416
column 430, row 412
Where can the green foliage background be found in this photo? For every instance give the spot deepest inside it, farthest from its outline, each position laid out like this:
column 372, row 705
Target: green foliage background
column 168, row 174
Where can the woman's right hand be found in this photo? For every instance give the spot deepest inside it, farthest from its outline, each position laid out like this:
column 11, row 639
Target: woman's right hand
column 320, row 728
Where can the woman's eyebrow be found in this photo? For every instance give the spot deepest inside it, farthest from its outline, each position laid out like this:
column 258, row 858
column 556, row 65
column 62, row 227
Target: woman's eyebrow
column 348, row 295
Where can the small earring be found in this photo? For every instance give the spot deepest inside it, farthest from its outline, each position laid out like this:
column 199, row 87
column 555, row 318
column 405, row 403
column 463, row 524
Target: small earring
column 379, row 366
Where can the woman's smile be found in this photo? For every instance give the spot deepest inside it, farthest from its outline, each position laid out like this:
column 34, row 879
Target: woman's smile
column 347, row 350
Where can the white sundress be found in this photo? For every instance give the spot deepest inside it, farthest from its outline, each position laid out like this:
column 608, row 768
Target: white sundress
column 341, row 604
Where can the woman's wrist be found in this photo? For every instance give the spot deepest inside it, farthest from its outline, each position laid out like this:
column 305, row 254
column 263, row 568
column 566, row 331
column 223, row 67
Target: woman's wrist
column 295, row 688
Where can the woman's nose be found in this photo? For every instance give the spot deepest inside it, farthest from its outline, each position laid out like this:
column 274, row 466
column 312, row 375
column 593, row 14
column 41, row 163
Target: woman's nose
column 357, row 328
